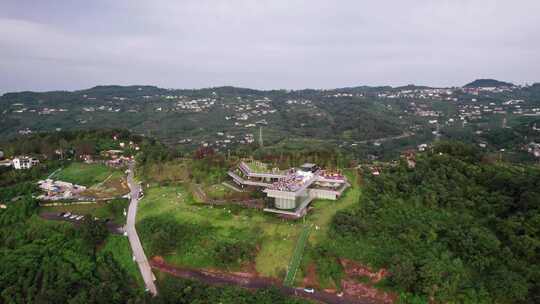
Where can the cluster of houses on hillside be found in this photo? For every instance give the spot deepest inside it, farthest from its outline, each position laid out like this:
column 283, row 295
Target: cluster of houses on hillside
column 248, row 114
column 425, row 93
column 445, row 94
column 195, row 105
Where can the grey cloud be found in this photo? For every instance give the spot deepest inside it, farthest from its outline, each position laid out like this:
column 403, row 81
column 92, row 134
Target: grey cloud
column 266, row 44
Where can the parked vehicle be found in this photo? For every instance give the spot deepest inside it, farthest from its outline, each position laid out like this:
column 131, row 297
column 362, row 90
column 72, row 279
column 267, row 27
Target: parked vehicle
column 309, row 290
column 80, row 217
column 67, row 214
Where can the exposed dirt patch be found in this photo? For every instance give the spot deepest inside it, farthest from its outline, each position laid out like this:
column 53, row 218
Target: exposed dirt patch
column 250, row 268
column 246, row 280
column 353, row 269
column 110, row 188
column 361, row 290
column 311, row 277
column 356, row 272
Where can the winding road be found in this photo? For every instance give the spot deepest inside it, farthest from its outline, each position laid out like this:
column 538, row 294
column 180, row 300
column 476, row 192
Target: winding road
column 134, row 241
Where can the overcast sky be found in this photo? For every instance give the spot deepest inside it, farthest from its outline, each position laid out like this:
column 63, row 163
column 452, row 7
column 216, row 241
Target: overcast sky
column 47, row 45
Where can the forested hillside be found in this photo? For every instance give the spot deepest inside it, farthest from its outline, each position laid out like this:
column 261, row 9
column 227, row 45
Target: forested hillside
column 175, row 115
column 44, row 262
column 369, row 122
column 455, row 228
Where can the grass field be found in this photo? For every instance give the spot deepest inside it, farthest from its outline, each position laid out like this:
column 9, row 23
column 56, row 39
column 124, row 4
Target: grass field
column 114, row 185
column 84, row 174
column 321, row 217
column 256, row 166
column 217, row 191
column 324, row 210
column 277, row 237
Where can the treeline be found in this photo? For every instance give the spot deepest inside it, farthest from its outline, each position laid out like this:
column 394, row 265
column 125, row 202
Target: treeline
column 65, row 144
column 453, row 229
column 210, row 167
column 180, row 291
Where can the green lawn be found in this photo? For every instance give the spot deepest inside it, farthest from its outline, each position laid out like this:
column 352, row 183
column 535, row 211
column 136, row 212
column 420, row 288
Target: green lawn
column 257, row 166
column 324, row 210
column 277, row 237
column 321, row 218
column 217, row 191
column 84, row 174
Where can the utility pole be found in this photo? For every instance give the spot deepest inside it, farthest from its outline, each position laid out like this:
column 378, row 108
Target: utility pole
column 260, row 137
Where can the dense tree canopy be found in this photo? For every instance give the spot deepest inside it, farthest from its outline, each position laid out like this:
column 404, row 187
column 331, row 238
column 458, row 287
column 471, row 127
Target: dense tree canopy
column 44, row 262
column 452, row 228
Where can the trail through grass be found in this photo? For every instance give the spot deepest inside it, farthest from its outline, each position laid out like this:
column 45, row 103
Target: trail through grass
column 297, row 256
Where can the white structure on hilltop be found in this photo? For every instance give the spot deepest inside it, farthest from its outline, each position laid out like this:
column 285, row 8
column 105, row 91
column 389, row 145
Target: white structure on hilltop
column 292, row 191
column 24, row 162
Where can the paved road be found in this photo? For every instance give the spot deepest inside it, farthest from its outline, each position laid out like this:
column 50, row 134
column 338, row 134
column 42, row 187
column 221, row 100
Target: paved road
column 136, row 247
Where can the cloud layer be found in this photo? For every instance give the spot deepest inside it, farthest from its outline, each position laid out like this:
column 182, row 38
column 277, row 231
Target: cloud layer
column 266, row 44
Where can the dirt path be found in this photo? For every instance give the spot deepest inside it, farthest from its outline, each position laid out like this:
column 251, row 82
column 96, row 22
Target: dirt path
column 383, row 139
column 253, row 282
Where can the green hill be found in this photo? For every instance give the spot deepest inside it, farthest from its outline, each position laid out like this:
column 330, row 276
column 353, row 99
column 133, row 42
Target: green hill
column 482, row 83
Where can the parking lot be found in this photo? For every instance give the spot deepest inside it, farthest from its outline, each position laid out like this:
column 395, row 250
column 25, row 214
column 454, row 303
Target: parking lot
column 76, row 219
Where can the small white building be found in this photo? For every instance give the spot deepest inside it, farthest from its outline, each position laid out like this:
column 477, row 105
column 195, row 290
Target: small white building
column 24, row 162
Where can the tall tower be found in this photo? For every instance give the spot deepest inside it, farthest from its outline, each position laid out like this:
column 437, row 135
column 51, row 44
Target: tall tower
column 260, row 137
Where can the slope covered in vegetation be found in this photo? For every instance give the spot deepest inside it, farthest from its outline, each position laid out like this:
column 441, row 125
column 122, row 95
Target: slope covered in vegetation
column 454, row 228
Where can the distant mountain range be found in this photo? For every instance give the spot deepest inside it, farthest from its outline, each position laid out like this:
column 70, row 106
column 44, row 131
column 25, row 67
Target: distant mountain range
column 230, row 117
column 138, row 90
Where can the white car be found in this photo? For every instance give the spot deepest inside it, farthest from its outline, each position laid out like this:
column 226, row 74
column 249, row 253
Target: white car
column 67, row 214
column 73, row 217
column 80, row 217
column 309, row 290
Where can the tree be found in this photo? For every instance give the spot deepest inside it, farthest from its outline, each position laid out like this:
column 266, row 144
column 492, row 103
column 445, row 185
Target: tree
column 92, row 231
